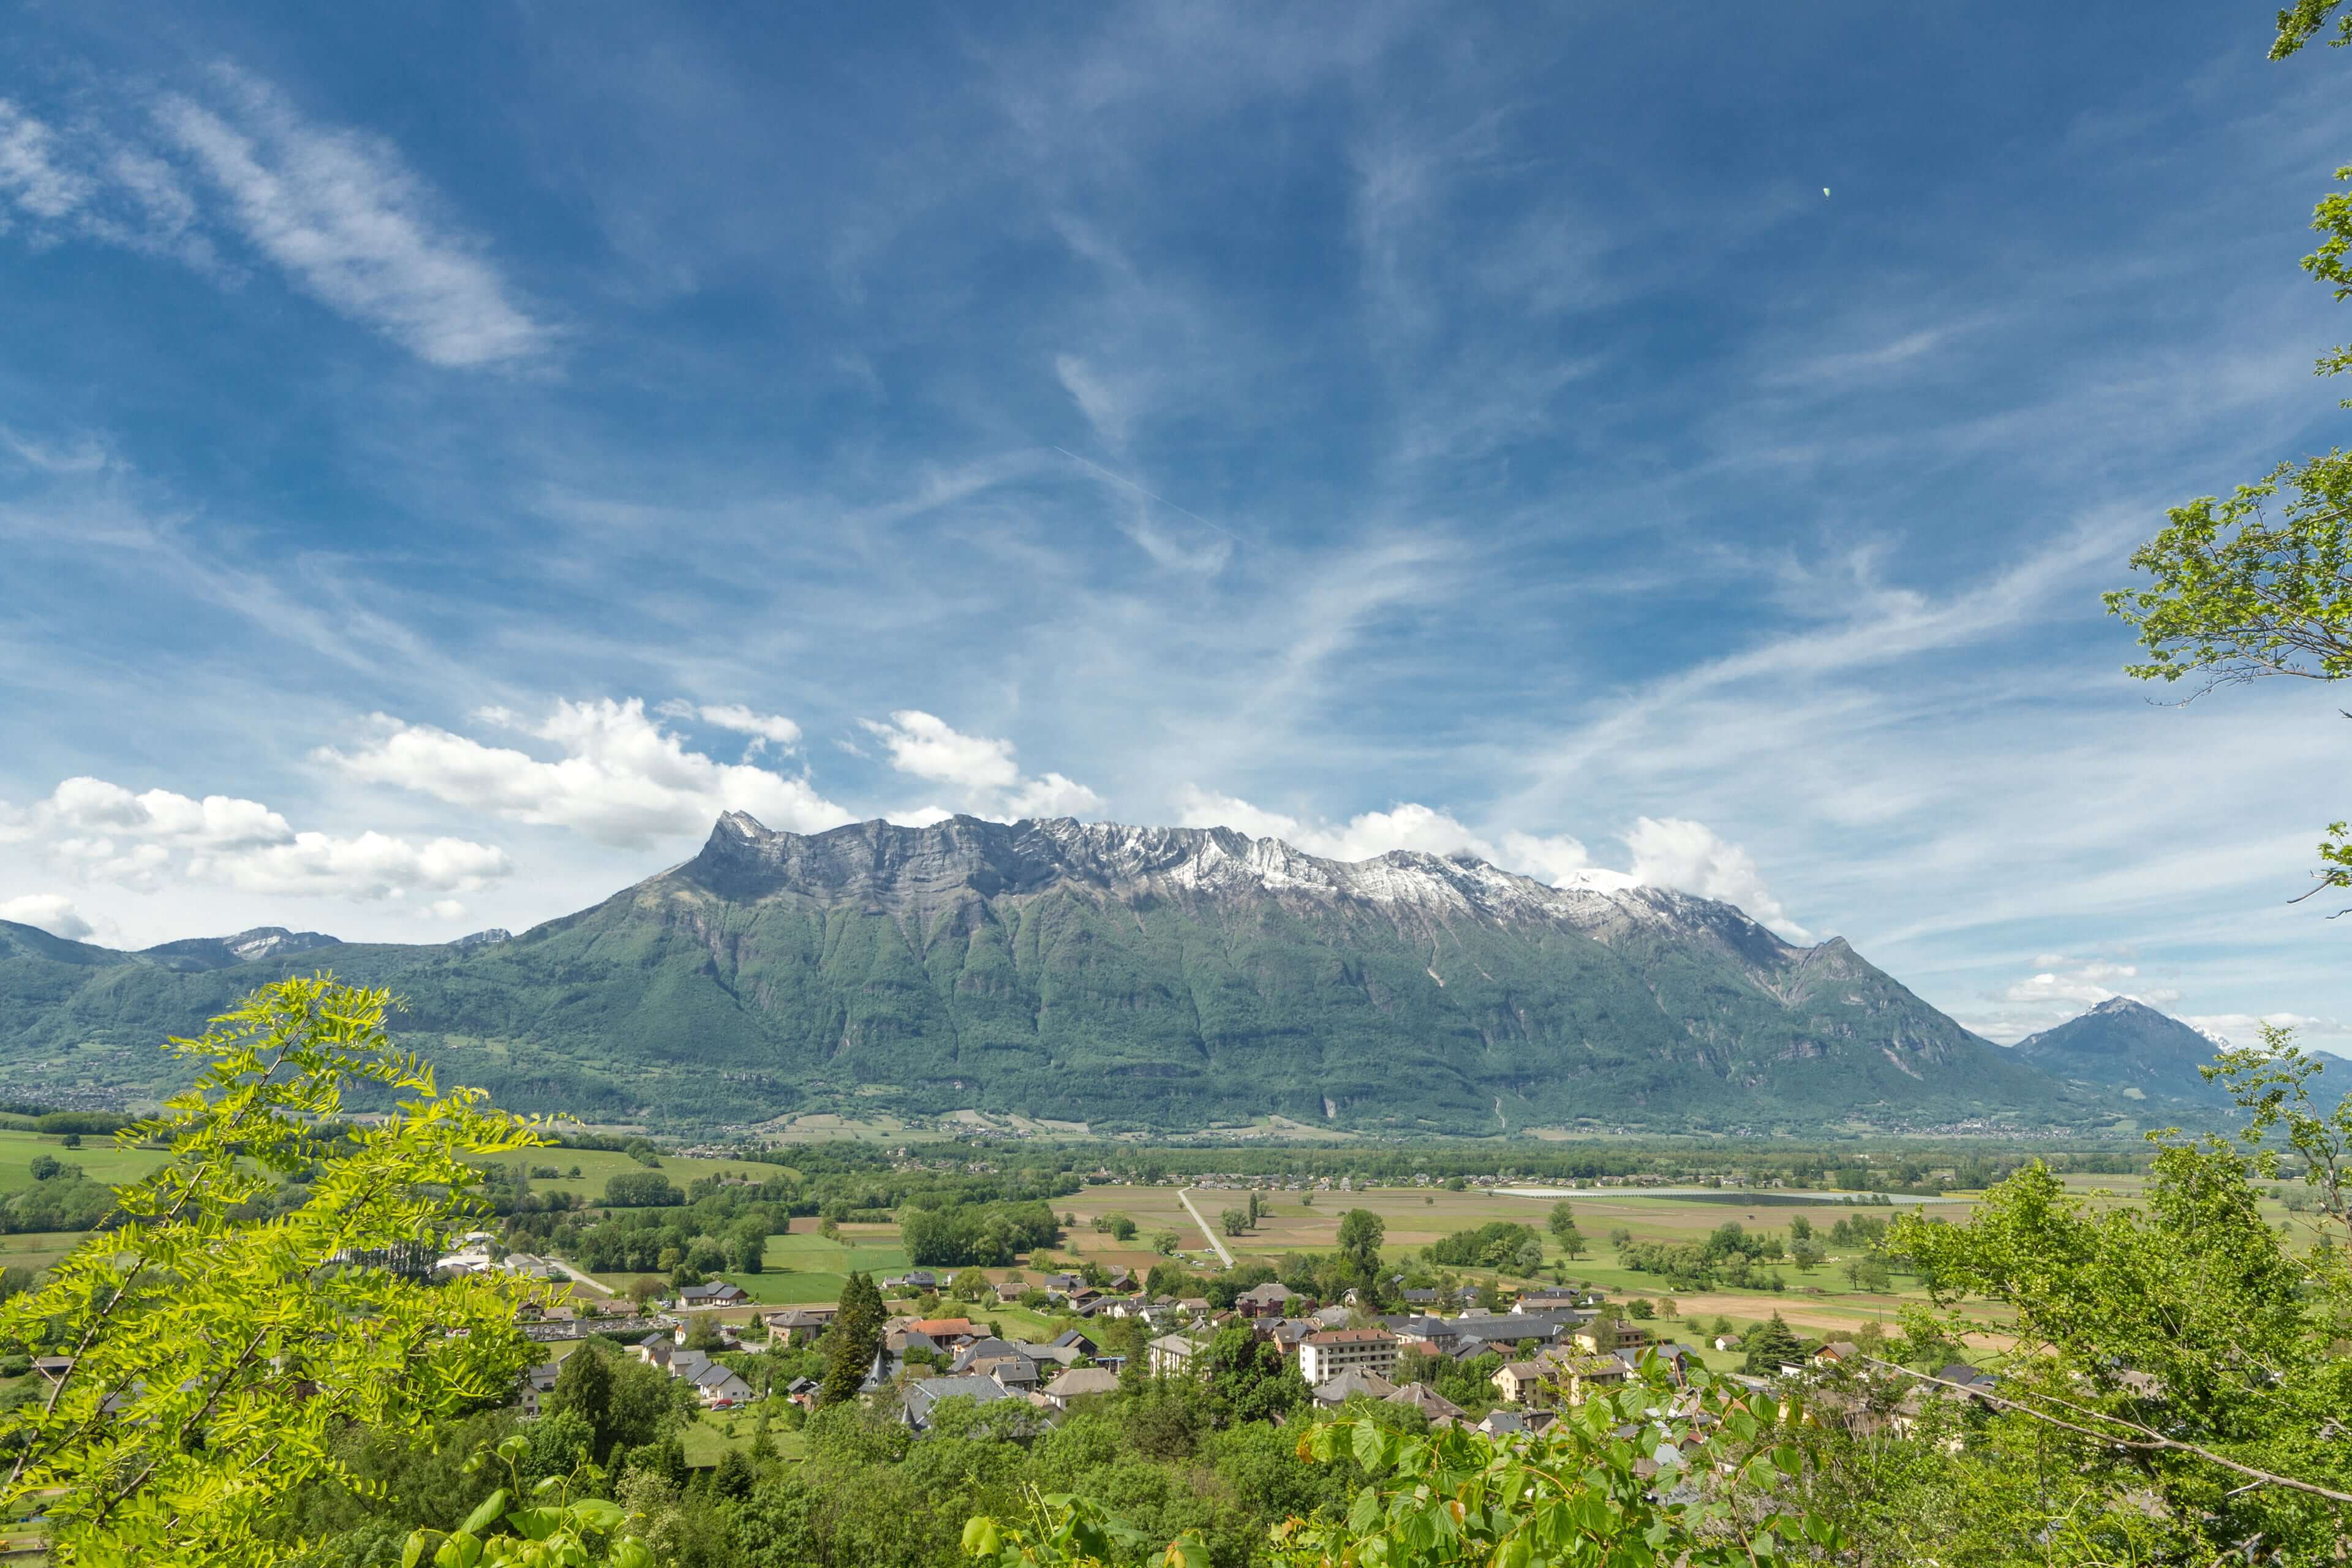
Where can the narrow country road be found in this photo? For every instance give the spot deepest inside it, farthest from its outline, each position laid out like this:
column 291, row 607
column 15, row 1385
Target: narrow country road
column 602, row 1290
column 1206, row 1228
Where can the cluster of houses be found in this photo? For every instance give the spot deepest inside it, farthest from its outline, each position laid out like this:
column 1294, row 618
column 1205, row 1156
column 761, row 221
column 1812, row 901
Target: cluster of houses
column 1557, row 1351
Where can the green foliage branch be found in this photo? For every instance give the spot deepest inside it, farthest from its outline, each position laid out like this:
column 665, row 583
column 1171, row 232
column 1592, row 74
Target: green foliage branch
column 2240, row 592
column 216, row 1358
column 551, row 1530
column 2186, row 1346
column 1654, row 1474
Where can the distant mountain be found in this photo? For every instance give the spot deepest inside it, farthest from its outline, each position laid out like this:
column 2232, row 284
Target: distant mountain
column 1135, row 977
column 227, row 951
column 2129, row 1047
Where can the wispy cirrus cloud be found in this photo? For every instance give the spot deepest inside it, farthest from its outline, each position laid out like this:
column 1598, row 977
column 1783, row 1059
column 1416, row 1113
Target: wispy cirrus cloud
column 233, row 169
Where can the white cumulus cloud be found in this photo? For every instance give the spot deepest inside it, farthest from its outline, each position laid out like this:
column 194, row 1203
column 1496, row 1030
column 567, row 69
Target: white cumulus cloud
column 980, row 772
column 1410, row 826
column 53, row 912
column 104, row 832
column 617, row 776
column 1674, row 852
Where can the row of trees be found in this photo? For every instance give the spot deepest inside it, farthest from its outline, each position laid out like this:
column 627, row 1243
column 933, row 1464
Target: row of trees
column 987, row 1236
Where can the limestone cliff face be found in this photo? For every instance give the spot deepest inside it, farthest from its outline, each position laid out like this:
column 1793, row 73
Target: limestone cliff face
column 1147, row 977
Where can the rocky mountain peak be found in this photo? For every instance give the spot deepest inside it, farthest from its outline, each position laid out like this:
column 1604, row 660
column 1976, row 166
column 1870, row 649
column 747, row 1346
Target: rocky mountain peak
column 914, row 872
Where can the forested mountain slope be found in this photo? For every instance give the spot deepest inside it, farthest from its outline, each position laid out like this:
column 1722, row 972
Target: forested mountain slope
column 1148, row 977
column 2125, row 1045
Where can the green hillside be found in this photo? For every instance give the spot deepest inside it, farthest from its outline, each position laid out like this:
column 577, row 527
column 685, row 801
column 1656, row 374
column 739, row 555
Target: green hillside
column 1162, row 981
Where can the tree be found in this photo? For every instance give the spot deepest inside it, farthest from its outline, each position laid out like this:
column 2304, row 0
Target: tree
column 1234, row 1222
column 642, row 1189
column 971, row 1285
column 2238, row 594
column 1250, row 1379
column 747, row 1242
column 1572, row 1495
column 1869, row 1273
column 2185, row 1347
column 1562, row 1225
column 853, row 1342
column 219, row 1360
column 1806, row 1254
column 583, row 1387
column 1360, row 1234
column 2304, row 22
column 46, row 1166
column 1773, row 1346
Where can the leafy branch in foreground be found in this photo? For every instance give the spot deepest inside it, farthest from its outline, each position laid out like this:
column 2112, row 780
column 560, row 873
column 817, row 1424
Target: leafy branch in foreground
column 557, row 1529
column 2303, row 21
column 2186, row 1348
column 1698, row 1476
column 2238, row 594
column 213, row 1357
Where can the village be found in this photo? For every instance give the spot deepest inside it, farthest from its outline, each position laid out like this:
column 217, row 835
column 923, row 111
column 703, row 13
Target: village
column 1543, row 1352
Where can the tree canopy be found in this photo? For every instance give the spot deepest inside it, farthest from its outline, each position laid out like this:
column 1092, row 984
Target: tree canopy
column 217, row 1358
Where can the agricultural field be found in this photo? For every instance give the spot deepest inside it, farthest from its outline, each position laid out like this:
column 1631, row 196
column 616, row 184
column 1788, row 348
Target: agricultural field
column 714, row 1432
column 1821, row 1302
column 802, row 1267
column 38, row 1249
column 597, row 1166
column 99, row 1158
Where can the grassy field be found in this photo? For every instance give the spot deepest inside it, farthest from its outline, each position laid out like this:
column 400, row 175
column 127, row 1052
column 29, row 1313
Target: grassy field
column 597, row 1166
column 802, row 1267
column 1821, row 1302
column 714, row 1432
column 100, row 1159
column 38, row 1249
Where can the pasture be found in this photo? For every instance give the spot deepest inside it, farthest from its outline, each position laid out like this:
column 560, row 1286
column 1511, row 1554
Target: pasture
column 1822, row 1301
column 597, row 1166
column 99, row 1158
column 801, row 1267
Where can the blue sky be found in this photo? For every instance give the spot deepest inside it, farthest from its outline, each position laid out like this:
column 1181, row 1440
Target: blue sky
column 448, row 453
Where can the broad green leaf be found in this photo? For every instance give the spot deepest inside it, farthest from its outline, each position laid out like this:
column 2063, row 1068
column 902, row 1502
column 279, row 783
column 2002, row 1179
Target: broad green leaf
column 982, row 1538
column 486, row 1513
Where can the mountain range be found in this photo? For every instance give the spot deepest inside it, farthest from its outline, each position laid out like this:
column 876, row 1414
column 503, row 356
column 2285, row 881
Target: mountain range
column 1142, row 978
